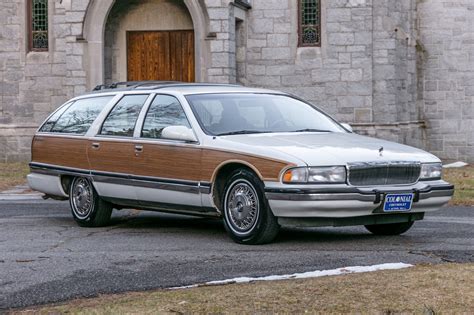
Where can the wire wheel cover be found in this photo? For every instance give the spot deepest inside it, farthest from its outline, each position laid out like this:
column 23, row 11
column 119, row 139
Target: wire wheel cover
column 82, row 198
column 242, row 206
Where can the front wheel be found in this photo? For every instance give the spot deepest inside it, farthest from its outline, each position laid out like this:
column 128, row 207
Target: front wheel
column 87, row 208
column 248, row 218
column 390, row 229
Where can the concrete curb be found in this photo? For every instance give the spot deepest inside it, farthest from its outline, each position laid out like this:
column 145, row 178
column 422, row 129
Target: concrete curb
column 13, row 197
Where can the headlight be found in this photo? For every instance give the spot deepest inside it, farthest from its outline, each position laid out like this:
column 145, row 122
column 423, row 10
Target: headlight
column 318, row 175
column 431, row 171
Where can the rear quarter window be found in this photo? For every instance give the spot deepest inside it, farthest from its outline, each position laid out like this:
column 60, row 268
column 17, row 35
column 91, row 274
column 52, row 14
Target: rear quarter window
column 77, row 117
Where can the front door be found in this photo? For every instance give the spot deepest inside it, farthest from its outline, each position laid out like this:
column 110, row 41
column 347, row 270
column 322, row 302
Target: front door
column 160, row 56
column 171, row 169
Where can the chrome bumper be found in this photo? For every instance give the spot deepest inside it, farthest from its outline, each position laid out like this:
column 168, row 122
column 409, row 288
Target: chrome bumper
column 346, row 201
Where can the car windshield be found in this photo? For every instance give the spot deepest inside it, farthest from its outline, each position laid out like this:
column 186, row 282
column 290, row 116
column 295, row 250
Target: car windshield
column 246, row 113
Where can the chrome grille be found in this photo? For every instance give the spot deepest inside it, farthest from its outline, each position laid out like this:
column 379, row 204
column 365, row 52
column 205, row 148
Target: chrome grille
column 383, row 173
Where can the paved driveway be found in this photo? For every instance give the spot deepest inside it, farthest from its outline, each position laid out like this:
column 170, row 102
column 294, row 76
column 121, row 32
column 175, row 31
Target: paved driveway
column 45, row 257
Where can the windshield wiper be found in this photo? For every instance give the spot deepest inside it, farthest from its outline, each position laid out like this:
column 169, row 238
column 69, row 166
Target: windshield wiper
column 310, row 130
column 240, row 132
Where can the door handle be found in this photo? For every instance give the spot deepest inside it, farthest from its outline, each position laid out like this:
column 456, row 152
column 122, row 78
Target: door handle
column 95, row 145
column 138, row 148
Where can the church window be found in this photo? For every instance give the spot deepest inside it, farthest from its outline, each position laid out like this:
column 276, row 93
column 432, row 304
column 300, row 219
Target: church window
column 38, row 25
column 309, row 18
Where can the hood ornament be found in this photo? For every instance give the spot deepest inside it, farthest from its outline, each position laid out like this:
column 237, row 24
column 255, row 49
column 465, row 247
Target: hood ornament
column 381, row 151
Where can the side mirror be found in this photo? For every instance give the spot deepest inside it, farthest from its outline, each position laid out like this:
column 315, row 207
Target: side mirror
column 182, row 133
column 347, row 127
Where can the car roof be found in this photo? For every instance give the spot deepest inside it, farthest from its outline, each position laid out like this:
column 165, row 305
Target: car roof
column 180, row 87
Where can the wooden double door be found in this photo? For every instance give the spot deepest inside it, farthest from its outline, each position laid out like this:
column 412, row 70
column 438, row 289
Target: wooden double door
column 160, row 56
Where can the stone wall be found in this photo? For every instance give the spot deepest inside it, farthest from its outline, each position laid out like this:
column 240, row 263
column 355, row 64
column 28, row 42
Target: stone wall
column 32, row 83
column 364, row 72
column 385, row 66
column 446, row 46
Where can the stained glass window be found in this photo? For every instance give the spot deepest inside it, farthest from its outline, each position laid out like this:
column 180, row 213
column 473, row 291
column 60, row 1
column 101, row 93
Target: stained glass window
column 38, row 16
column 309, row 23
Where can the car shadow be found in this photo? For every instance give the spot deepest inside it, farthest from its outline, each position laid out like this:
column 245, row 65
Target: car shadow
column 136, row 220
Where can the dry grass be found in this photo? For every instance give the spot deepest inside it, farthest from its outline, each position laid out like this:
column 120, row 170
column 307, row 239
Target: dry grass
column 463, row 180
column 424, row 289
column 12, row 174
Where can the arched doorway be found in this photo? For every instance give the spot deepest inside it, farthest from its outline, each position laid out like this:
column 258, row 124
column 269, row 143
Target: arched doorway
column 149, row 40
column 155, row 29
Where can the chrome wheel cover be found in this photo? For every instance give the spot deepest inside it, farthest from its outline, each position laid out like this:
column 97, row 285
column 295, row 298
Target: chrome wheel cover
column 82, row 198
column 242, row 206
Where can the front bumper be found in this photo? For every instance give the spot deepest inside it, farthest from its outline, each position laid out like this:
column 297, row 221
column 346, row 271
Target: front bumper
column 345, row 201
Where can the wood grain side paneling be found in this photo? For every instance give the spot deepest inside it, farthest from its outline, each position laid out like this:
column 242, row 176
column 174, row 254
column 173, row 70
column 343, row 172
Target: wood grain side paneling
column 268, row 169
column 60, row 151
column 196, row 163
column 156, row 160
column 169, row 161
column 112, row 156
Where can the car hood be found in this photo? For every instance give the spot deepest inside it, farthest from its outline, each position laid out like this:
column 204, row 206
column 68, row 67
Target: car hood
column 321, row 148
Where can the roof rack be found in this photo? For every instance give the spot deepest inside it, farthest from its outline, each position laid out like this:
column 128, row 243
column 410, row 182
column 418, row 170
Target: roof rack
column 130, row 84
column 152, row 85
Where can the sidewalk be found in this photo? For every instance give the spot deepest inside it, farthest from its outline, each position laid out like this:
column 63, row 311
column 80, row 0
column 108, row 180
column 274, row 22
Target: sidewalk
column 21, row 192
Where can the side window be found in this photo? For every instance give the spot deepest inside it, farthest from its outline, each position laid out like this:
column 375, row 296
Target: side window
column 121, row 120
column 78, row 117
column 163, row 112
column 49, row 124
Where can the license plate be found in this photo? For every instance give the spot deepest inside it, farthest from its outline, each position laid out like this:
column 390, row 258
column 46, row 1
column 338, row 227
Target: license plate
column 397, row 202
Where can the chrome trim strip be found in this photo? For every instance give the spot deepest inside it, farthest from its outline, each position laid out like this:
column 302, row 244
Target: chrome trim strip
column 352, row 193
column 370, row 164
column 205, row 188
column 311, row 197
column 126, row 179
column 192, row 189
column 49, row 169
column 436, row 193
column 165, row 207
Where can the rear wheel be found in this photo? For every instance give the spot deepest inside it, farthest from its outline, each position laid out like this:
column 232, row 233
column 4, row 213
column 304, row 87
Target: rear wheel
column 390, row 229
column 87, row 208
column 248, row 218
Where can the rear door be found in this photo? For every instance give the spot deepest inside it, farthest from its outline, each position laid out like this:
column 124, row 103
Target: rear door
column 112, row 152
column 167, row 171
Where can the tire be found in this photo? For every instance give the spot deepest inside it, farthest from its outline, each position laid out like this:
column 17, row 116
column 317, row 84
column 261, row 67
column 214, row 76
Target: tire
column 247, row 217
column 87, row 208
column 390, row 229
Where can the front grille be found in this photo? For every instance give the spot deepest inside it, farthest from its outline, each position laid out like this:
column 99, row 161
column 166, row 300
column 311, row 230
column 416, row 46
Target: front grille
column 381, row 173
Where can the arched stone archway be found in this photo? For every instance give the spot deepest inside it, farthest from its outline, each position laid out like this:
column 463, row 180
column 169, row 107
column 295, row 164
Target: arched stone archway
column 94, row 30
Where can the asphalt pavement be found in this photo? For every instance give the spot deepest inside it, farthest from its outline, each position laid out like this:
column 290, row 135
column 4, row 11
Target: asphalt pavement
column 45, row 257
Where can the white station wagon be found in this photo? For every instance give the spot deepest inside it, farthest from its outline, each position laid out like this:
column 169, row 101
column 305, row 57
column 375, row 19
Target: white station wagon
column 259, row 159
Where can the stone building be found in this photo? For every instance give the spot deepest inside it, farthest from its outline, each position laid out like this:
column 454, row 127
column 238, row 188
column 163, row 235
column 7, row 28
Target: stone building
column 401, row 70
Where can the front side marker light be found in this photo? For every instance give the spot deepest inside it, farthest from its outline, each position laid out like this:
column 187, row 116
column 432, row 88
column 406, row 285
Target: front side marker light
column 296, row 175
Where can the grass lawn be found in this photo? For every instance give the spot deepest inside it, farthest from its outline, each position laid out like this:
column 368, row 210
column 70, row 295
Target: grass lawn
column 424, row 289
column 463, row 180
column 12, row 174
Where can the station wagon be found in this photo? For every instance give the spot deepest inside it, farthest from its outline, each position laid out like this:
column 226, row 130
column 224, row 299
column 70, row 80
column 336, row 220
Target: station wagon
column 256, row 158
